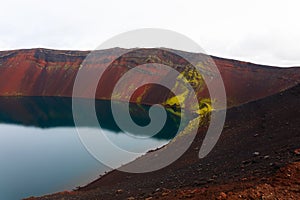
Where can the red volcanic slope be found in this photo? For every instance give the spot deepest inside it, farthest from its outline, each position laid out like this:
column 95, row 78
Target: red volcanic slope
column 44, row 72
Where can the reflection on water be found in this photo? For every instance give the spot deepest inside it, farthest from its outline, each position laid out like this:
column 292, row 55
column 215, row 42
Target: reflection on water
column 49, row 112
column 40, row 151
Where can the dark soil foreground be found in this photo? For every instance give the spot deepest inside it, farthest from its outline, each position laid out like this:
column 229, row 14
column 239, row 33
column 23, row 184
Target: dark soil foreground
column 257, row 157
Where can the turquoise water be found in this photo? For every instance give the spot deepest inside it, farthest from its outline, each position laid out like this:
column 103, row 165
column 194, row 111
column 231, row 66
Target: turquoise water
column 40, row 150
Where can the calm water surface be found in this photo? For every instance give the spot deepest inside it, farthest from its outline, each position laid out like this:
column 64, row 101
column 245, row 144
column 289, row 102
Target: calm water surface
column 41, row 153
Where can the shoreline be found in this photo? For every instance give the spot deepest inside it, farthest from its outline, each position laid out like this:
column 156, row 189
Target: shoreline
column 253, row 151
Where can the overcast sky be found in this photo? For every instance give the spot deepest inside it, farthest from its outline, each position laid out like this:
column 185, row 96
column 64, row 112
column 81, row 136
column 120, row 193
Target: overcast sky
column 265, row 32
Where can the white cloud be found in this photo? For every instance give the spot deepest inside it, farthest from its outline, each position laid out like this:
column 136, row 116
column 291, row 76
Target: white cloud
column 266, row 32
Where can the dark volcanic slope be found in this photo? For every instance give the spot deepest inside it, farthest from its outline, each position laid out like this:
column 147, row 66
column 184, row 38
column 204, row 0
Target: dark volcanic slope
column 44, row 72
column 269, row 127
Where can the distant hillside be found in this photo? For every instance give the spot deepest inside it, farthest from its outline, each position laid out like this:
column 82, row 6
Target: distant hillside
column 44, row 72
